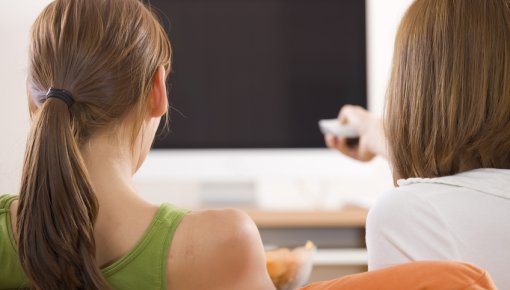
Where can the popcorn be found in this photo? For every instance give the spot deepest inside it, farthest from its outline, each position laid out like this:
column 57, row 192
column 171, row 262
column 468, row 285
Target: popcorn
column 290, row 269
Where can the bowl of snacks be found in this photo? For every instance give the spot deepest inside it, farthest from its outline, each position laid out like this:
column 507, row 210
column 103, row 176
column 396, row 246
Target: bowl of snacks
column 290, row 268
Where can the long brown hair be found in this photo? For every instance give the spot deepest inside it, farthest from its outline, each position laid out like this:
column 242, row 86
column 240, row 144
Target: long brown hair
column 106, row 54
column 448, row 101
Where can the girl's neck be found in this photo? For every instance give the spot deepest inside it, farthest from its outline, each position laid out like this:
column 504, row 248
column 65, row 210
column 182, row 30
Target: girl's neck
column 110, row 167
column 123, row 214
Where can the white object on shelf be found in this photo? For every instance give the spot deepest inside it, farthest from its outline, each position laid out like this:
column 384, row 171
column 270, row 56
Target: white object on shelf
column 340, row 257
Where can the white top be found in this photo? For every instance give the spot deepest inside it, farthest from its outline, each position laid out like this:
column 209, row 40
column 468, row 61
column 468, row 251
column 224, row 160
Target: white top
column 462, row 217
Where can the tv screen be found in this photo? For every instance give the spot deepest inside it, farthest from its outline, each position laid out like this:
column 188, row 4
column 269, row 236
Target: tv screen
column 261, row 73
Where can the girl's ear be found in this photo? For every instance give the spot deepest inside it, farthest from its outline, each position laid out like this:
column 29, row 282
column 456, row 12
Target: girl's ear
column 158, row 102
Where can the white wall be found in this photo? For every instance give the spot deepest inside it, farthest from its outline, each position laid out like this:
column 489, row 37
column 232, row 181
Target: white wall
column 383, row 17
column 15, row 20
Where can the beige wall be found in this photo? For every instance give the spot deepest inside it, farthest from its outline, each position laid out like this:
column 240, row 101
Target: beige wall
column 383, row 17
column 17, row 16
column 15, row 20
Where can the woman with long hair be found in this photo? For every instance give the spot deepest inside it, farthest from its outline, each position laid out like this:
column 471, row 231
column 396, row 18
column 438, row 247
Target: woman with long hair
column 96, row 86
column 447, row 128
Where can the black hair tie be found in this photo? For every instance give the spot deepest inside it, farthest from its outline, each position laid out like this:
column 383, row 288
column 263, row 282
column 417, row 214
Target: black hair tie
column 62, row 95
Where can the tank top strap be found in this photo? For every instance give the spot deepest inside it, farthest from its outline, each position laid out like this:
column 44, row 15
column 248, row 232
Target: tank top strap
column 6, row 231
column 5, row 202
column 11, row 275
column 145, row 266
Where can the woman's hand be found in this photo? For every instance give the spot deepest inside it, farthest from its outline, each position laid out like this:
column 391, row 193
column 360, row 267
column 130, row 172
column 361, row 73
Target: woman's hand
column 372, row 140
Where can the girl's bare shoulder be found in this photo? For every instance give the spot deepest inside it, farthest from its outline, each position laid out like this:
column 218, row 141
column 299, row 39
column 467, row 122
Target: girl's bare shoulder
column 217, row 249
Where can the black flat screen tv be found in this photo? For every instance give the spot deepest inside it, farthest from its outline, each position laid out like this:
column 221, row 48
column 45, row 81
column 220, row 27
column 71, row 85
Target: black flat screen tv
column 261, row 73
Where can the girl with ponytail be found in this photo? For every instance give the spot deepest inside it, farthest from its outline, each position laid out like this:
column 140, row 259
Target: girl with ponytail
column 96, row 85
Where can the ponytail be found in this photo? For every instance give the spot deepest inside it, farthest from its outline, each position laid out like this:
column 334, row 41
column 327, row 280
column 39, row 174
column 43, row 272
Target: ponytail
column 57, row 206
column 105, row 53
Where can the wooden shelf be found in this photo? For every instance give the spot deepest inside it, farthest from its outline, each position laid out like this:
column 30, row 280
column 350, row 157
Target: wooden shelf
column 345, row 217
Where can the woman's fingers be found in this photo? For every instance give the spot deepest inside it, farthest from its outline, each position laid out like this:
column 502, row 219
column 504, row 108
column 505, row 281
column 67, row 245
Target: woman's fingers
column 340, row 144
column 330, row 141
column 369, row 135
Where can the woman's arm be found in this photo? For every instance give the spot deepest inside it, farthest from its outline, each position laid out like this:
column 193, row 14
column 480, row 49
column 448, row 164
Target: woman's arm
column 217, row 249
column 372, row 140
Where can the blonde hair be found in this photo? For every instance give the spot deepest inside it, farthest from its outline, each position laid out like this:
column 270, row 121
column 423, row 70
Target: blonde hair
column 448, row 101
column 106, row 54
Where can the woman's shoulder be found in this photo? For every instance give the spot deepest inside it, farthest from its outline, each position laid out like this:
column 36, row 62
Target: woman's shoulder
column 217, row 249
column 407, row 205
column 415, row 194
column 403, row 225
column 219, row 219
column 398, row 197
column 217, row 230
column 389, row 208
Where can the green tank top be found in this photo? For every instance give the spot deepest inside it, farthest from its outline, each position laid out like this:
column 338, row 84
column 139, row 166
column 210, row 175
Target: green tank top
column 144, row 267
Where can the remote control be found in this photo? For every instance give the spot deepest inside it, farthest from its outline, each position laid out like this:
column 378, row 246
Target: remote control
column 333, row 127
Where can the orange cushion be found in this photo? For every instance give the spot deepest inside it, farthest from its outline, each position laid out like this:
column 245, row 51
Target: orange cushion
column 436, row 275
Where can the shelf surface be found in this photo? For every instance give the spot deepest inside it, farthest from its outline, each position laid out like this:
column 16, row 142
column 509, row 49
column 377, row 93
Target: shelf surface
column 344, row 217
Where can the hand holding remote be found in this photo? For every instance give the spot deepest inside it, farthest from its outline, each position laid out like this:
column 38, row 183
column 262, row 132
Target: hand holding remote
column 356, row 133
